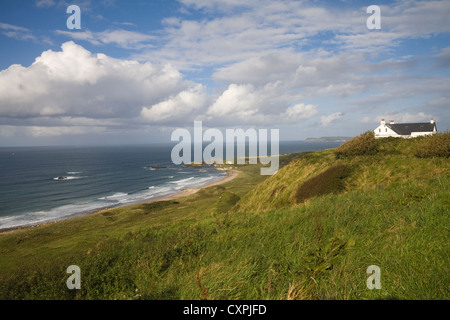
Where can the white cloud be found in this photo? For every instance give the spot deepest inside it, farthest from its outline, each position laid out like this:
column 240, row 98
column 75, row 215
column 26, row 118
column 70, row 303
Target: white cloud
column 184, row 106
column 262, row 69
column 75, row 88
column 443, row 58
column 122, row 38
column 405, row 117
column 401, row 20
column 400, row 117
column 299, row 112
column 277, row 80
column 247, row 104
column 417, row 18
column 327, row 120
column 218, row 5
column 311, row 73
column 46, row 131
column 85, row 5
column 375, row 42
column 239, row 101
column 366, row 120
column 58, row 131
column 238, row 30
column 16, row 32
column 76, row 83
column 45, row 3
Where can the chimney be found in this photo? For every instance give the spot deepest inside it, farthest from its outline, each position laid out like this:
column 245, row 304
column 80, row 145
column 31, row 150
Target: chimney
column 432, row 121
column 391, row 121
column 383, row 122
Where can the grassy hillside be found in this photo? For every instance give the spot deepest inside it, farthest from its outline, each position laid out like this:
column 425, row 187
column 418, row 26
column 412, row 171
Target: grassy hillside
column 393, row 161
column 308, row 232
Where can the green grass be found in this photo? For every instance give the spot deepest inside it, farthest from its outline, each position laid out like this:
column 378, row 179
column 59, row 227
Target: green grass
column 365, row 144
column 250, row 238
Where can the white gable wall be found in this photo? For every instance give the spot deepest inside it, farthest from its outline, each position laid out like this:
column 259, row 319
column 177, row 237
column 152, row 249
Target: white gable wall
column 382, row 131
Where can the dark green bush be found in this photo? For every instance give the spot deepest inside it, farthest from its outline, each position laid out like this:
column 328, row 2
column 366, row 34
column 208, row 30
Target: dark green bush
column 364, row 144
column 434, row 146
column 329, row 181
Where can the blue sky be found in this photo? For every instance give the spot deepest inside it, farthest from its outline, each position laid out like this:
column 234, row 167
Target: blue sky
column 138, row 69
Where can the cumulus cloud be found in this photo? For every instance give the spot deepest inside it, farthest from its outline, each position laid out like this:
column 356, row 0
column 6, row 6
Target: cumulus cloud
column 328, row 119
column 239, row 101
column 247, row 104
column 76, row 83
column 185, row 106
column 313, row 74
column 299, row 112
column 77, row 89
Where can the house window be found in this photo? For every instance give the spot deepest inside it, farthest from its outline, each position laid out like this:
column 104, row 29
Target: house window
column 379, row 130
column 385, row 129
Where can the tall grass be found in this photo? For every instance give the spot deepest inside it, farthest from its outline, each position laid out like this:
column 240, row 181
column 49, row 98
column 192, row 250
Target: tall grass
column 365, row 144
column 434, row 146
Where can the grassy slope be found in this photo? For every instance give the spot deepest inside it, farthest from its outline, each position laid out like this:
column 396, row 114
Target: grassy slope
column 393, row 213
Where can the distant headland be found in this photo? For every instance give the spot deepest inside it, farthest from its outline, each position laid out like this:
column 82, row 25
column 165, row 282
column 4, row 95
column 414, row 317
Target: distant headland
column 328, row 139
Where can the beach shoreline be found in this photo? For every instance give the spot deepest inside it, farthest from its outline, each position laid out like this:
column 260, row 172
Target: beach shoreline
column 231, row 174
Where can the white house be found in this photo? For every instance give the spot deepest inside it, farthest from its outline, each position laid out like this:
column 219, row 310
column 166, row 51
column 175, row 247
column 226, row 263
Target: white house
column 405, row 130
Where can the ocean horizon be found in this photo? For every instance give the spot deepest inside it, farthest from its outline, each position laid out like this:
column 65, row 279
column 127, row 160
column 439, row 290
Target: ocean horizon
column 44, row 184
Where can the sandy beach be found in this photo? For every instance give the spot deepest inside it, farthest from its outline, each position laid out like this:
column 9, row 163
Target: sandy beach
column 231, row 174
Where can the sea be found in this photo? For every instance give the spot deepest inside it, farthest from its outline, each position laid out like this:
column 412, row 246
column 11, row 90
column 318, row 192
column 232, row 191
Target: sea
column 43, row 184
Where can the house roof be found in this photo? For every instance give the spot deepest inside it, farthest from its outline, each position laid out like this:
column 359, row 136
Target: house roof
column 406, row 128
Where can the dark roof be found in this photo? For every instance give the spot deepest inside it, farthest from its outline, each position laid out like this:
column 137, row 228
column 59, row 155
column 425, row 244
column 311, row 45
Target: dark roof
column 404, row 129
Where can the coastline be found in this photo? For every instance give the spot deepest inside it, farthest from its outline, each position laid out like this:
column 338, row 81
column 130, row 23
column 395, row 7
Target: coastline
column 231, row 174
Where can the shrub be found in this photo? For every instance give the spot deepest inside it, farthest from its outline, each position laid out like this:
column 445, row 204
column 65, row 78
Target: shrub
column 434, row 146
column 365, row 144
column 329, row 181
